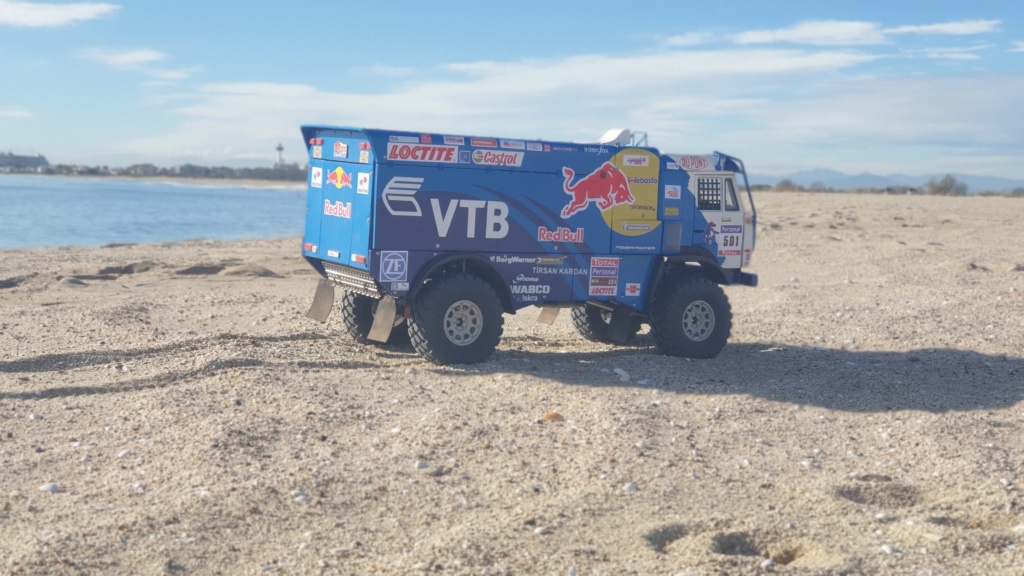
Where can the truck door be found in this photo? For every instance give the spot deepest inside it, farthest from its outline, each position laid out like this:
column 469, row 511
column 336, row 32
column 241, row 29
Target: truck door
column 718, row 202
column 346, row 205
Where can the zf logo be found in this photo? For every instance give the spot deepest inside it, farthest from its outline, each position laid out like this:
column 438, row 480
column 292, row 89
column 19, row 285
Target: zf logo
column 394, row 266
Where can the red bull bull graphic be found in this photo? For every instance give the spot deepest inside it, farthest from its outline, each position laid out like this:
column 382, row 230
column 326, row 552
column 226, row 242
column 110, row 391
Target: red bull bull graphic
column 339, row 178
column 607, row 186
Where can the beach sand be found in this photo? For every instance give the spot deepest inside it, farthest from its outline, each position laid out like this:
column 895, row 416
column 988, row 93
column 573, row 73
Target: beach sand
column 169, row 409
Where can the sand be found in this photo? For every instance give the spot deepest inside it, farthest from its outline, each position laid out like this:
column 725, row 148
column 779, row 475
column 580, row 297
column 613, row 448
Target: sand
column 168, row 408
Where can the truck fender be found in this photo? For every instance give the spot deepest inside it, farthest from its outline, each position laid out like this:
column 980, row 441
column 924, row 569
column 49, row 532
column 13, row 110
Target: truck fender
column 464, row 262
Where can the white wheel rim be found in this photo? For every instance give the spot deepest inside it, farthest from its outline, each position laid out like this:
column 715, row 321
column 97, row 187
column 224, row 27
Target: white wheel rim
column 698, row 320
column 463, row 323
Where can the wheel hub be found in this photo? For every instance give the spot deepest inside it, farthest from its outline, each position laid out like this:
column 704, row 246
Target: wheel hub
column 698, row 320
column 463, row 323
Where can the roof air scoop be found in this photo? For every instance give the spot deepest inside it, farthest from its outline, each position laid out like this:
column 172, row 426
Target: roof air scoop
column 616, row 137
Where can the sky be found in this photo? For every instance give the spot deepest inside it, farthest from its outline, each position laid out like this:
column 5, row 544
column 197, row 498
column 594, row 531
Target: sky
column 914, row 87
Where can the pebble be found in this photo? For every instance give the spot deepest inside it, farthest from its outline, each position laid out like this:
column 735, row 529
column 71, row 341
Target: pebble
column 884, row 517
column 809, row 463
column 300, row 496
column 553, row 417
column 125, row 453
column 139, row 487
column 889, row 549
column 543, row 530
column 768, row 563
column 641, row 445
column 629, row 487
column 35, row 416
column 623, row 375
column 1019, row 528
column 50, row 487
column 421, row 465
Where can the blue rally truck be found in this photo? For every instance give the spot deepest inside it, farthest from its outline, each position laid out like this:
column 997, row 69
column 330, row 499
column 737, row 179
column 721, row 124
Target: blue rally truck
column 434, row 237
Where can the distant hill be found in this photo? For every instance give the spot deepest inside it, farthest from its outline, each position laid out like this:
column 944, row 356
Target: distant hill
column 840, row 181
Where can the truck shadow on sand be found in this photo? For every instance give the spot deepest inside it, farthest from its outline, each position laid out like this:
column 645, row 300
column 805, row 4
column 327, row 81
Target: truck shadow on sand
column 933, row 380
column 244, row 349
column 939, row 380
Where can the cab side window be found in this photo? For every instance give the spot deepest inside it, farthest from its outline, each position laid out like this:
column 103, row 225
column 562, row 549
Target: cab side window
column 730, row 196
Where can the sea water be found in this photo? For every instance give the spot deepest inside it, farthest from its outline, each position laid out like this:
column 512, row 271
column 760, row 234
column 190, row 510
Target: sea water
column 67, row 211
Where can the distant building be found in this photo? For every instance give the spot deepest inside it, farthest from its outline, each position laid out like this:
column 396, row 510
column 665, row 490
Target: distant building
column 14, row 163
column 280, row 164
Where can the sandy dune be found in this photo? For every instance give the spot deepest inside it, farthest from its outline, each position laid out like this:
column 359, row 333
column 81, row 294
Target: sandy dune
column 167, row 408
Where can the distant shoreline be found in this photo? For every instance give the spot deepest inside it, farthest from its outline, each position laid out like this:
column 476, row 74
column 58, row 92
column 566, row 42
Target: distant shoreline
column 185, row 180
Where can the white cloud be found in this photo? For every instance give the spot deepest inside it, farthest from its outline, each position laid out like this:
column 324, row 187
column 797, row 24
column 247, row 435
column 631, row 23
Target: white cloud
column 967, row 53
column 1018, row 46
column 818, row 33
column 690, row 39
column 124, row 59
column 14, row 113
column 46, row 14
column 961, row 28
column 139, row 60
column 853, row 33
column 773, row 108
column 571, row 98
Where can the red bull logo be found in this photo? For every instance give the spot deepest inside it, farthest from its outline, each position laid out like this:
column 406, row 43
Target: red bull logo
column 607, row 186
column 339, row 178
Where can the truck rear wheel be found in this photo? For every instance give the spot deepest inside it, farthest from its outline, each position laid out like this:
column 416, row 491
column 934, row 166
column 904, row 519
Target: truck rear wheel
column 357, row 316
column 594, row 323
column 456, row 320
column 692, row 318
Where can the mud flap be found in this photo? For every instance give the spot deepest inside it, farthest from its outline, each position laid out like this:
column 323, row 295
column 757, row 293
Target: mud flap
column 620, row 328
column 383, row 319
column 548, row 314
column 323, row 301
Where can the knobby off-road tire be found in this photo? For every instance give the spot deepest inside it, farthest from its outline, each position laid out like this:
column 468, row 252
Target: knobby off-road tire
column 357, row 316
column 692, row 317
column 594, row 324
column 456, row 319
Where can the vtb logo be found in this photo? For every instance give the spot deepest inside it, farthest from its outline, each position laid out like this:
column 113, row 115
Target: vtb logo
column 607, row 186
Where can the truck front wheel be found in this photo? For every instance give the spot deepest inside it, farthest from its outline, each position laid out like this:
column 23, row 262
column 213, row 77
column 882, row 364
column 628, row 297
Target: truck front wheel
column 692, row 318
column 357, row 316
column 456, row 319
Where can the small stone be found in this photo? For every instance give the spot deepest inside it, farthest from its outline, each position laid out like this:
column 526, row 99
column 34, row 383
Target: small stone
column 553, row 417
column 884, row 517
column 300, row 496
column 641, row 445
column 543, row 530
column 809, row 463
column 629, row 487
column 139, row 487
column 125, row 453
column 623, row 375
column 1019, row 528
column 768, row 563
column 35, row 416
column 50, row 487
column 889, row 549
column 421, row 465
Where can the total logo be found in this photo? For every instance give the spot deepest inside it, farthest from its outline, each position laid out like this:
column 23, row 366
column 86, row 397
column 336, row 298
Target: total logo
column 399, row 198
column 489, row 158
